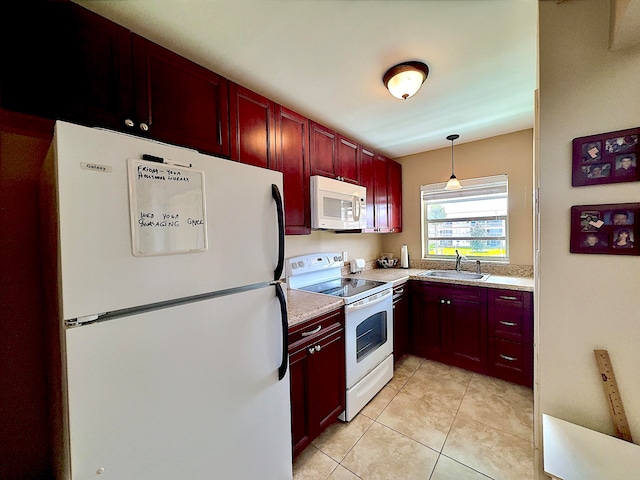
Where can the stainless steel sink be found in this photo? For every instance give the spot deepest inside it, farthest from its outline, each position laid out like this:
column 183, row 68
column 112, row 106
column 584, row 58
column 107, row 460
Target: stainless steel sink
column 455, row 275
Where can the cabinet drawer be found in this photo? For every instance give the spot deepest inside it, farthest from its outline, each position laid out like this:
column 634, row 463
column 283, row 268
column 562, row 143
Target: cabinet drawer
column 315, row 328
column 509, row 298
column 510, row 324
column 450, row 291
column 510, row 315
column 511, row 361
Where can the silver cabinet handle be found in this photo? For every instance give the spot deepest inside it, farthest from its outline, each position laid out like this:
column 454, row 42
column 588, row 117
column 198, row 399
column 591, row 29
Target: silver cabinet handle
column 442, row 301
column 508, row 324
column 508, row 358
column 312, row 350
column 144, row 127
column 506, row 297
column 129, row 123
column 312, row 332
column 318, row 348
column 448, row 302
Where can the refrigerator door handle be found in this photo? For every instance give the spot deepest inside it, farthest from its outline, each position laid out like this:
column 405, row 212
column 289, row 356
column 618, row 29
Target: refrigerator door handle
column 275, row 193
column 282, row 370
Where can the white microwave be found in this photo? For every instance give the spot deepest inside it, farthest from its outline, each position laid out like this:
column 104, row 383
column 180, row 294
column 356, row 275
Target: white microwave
column 337, row 205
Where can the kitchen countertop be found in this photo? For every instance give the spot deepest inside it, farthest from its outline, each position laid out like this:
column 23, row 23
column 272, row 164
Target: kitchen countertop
column 302, row 306
column 401, row 275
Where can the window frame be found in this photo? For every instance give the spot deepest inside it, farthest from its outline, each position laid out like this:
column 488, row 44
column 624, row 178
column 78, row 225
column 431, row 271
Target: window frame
column 498, row 183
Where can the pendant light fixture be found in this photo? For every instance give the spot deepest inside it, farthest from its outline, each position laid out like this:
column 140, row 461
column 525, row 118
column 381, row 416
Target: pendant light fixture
column 405, row 79
column 453, row 183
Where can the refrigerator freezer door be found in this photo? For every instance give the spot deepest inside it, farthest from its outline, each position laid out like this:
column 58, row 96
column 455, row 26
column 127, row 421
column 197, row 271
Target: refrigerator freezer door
column 99, row 272
column 183, row 392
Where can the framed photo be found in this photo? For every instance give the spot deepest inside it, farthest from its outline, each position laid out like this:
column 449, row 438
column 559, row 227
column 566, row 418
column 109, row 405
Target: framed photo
column 611, row 229
column 606, row 158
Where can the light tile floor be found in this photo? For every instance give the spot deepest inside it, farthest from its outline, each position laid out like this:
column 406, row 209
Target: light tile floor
column 431, row 422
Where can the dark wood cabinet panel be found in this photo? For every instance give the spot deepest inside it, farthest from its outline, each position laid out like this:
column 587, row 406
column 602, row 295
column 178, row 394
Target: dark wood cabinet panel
column 400, row 321
column 292, row 159
column 322, row 150
column 181, row 102
column 449, row 324
column 84, row 68
column 511, row 335
column 381, row 201
column 465, row 327
column 75, row 66
column 318, row 377
column 253, row 127
column 348, row 160
column 426, row 331
column 373, row 168
column 366, row 179
column 329, row 389
column 394, row 196
column 300, row 414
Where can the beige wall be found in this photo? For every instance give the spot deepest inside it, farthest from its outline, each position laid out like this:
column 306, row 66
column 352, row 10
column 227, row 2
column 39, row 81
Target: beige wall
column 585, row 302
column 357, row 245
column 511, row 154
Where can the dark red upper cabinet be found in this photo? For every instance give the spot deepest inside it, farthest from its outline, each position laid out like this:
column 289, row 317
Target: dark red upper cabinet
column 75, row 66
column 322, row 150
column 292, row 158
column 348, row 160
column 394, row 196
column 81, row 67
column 252, row 122
column 366, row 179
column 180, row 101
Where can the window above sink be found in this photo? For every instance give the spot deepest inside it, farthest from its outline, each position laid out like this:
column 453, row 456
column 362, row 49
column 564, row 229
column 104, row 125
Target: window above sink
column 472, row 220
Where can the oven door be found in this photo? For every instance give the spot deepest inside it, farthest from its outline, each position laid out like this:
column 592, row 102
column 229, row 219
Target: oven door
column 368, row 334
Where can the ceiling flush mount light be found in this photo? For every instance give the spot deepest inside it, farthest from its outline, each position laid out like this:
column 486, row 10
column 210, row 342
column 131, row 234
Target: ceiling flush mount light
column 405, row 79
column 453, row 183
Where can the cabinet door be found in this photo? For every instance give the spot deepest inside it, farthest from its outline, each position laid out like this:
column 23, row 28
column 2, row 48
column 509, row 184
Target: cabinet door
column 366, row 179
column 465, row 331
column 400, row 321
column 323, row 147
column 348, row 160
column 300, row 414
column 180, row 101
column 426, row 333
column 380, row 193
column 76, row 65
column 394, row 199
column 292, row 157
column 252, row 119
column 328, row 380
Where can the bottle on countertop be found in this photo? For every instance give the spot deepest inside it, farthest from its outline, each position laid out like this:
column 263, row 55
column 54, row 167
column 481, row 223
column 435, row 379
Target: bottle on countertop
column 404, row 257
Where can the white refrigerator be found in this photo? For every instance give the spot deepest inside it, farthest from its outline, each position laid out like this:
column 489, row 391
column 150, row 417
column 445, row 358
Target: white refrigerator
column 169, row 358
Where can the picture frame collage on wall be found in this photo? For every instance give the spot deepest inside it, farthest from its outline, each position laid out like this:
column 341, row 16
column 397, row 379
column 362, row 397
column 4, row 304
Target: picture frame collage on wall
column 606, row 158
column 612, row 229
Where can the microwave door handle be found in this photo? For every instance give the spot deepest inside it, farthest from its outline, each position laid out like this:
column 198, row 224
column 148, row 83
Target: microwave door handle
column 356, row 199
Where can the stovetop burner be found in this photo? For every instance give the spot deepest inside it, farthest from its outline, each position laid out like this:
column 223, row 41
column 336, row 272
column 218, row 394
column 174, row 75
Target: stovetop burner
column 343, row 286
column 321, row 273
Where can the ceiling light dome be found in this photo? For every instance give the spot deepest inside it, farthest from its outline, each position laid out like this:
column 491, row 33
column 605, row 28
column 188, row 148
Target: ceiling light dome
column 405, row 79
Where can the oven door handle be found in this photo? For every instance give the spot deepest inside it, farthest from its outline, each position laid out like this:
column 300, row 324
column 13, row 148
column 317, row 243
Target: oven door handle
column 368, row 303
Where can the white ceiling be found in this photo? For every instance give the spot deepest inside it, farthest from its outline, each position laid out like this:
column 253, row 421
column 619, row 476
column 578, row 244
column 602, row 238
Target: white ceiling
column 325, row 59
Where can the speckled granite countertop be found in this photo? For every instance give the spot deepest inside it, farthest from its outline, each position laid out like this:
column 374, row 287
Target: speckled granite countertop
column 401, row 275
column 302, row 306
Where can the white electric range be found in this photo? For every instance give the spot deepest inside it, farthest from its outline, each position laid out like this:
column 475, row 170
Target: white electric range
column 368, row 322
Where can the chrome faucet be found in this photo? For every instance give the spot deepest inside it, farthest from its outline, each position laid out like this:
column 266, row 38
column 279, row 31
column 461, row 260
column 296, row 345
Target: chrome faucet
column 478, row 268
column 459, row 259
